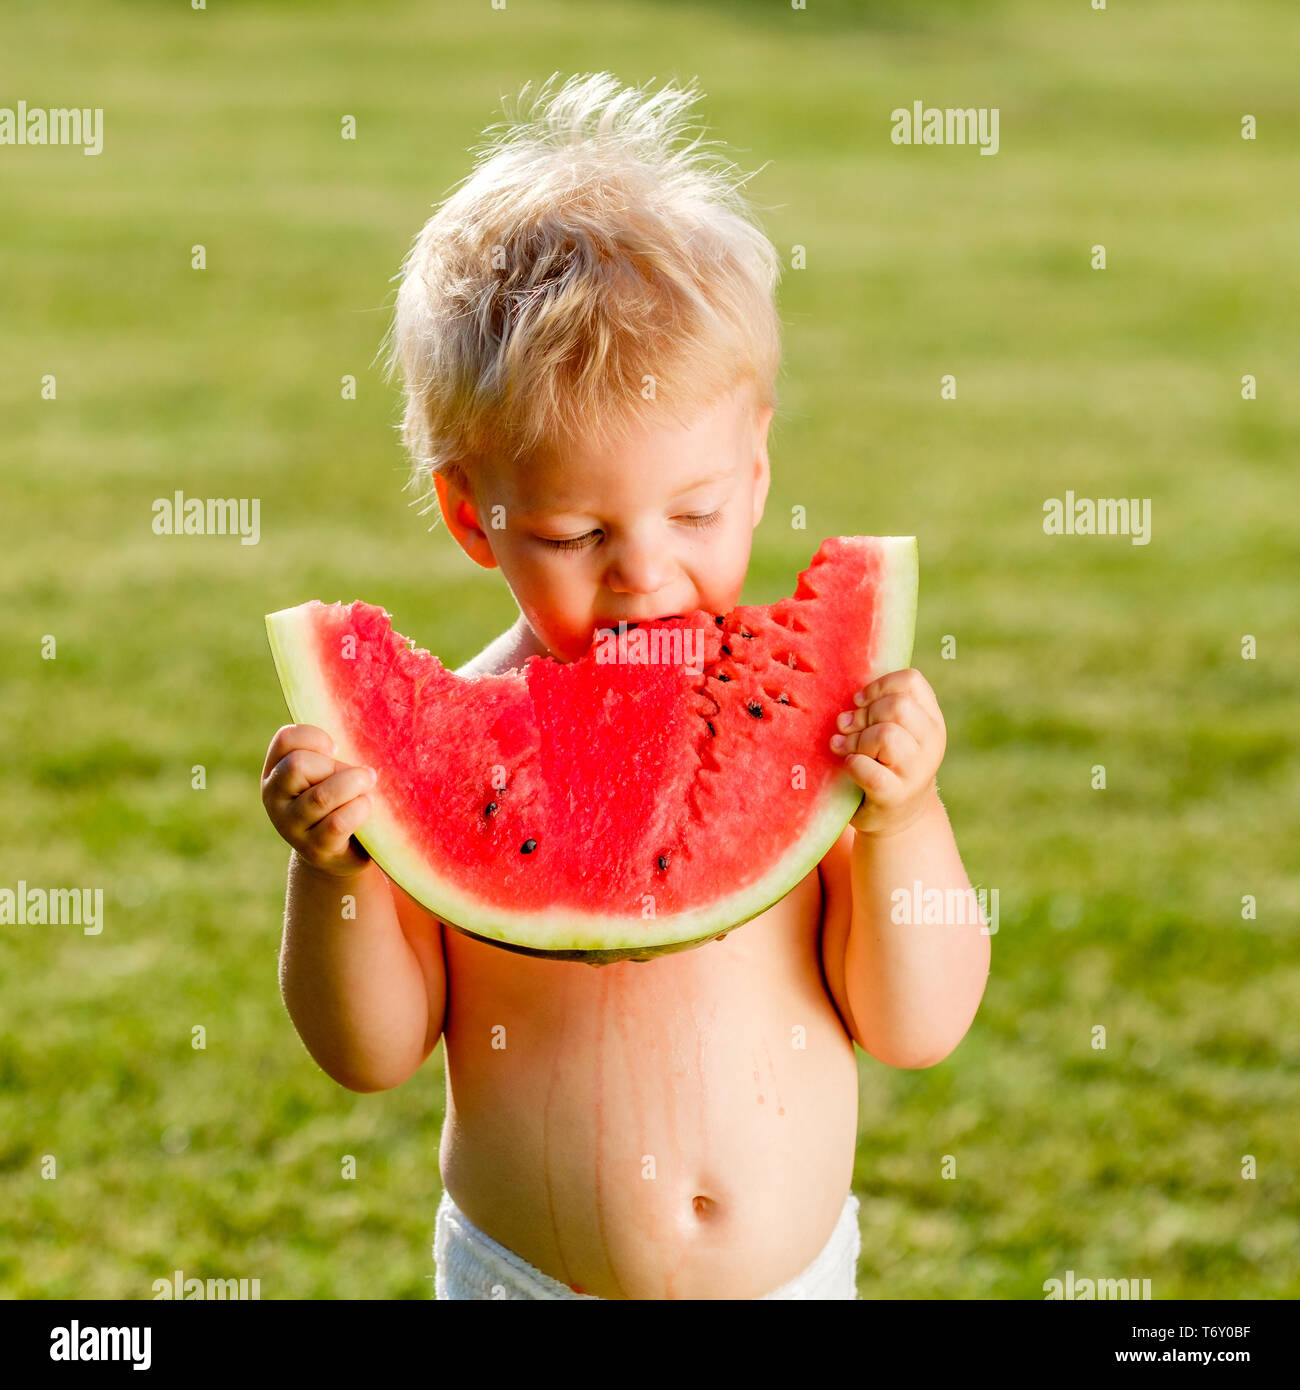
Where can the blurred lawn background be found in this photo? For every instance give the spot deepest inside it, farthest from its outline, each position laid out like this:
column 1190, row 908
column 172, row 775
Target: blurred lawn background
column 1120, row 907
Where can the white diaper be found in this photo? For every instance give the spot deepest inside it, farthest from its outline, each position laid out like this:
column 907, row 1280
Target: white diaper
column 470, row 1264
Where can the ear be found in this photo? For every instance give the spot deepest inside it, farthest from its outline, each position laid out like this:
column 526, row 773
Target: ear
column 461, row 513
column 762, row 469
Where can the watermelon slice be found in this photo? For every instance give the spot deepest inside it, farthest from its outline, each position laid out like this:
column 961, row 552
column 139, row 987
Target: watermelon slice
column 610, row 809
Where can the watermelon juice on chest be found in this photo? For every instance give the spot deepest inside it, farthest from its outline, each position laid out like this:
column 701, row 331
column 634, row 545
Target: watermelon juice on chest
column 671, row 784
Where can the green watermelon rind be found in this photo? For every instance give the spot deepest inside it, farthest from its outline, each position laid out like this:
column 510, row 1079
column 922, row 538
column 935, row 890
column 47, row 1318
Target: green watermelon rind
column 565, row 934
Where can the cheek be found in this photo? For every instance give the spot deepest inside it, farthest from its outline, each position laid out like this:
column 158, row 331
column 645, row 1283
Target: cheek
column 560, row 588
column 730, row 558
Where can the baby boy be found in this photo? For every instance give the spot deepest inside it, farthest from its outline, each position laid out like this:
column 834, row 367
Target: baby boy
column 589, row 343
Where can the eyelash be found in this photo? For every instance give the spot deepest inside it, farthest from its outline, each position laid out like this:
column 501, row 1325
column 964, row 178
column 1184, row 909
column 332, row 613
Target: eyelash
column 581, row 542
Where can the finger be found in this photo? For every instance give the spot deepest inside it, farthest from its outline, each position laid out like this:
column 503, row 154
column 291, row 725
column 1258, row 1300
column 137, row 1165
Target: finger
column 881, row 785
column 906, row 682
column 890, row 744
column 294, row 773
column 323, row 798
column 292, row 736
column 901, row 709
column 330, row 835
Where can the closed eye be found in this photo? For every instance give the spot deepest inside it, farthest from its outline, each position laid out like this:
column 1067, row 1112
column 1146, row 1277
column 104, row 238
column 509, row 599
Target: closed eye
column 581, row 542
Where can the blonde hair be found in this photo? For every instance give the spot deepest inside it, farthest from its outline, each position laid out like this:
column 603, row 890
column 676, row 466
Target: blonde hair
column 584, row 253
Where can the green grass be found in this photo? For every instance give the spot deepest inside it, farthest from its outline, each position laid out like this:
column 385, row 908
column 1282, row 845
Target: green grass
column 1119, row 908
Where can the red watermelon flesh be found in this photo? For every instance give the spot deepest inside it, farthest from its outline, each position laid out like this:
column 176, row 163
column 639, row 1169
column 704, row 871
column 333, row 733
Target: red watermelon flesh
column 611, row 809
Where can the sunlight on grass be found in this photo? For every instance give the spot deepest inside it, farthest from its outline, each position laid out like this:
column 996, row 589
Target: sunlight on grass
column 1120, row 908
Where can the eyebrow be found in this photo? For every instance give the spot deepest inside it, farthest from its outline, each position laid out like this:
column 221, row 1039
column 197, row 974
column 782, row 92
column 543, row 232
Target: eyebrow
column 567, row 508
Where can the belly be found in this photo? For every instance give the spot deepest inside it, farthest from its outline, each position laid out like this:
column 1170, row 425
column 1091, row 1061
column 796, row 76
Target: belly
column 682, row 1128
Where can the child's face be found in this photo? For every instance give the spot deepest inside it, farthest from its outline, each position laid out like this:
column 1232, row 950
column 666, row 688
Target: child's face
column 637, row 554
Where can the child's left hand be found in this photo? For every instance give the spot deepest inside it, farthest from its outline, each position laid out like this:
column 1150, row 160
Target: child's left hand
column 893, row 743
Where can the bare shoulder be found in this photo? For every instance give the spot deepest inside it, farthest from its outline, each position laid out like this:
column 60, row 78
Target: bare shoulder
column 489, row 662
column 502, row 654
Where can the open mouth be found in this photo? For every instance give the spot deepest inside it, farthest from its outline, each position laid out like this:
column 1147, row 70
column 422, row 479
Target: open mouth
column 630, row 624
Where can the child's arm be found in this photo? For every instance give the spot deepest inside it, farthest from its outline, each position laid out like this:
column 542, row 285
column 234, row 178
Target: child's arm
column 912, row 988
column 364, row 980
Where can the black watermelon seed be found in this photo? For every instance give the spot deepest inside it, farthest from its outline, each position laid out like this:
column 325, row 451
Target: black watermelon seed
column 755, row 709
column 784, row 700
column 726, row 650
column 663, row 861
column 718, row 619
column 743, row 633
column 724, row 678
column 528, row 847
column 490, row 808
column 709, row 726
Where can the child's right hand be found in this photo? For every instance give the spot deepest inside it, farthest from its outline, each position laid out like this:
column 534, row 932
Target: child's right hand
column 314, row 801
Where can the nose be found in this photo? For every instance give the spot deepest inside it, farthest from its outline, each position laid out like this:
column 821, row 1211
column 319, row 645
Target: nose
column 639, row 566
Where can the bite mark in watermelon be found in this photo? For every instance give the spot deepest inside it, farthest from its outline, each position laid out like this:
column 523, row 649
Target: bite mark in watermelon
column 601, row 811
